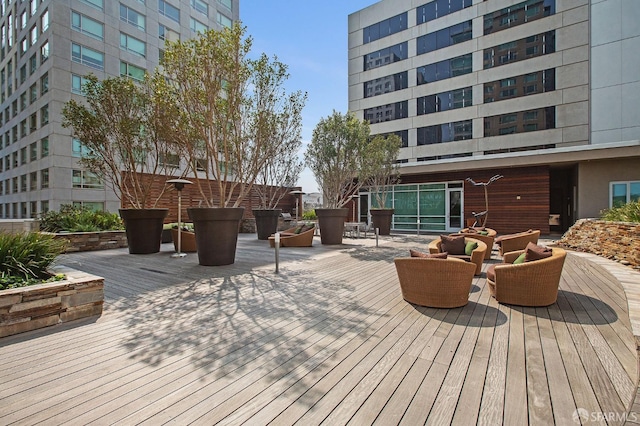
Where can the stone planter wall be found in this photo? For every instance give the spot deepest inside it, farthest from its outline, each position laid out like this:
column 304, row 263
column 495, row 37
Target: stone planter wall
column 618, row 241
column 80, row 295
column 88, row 241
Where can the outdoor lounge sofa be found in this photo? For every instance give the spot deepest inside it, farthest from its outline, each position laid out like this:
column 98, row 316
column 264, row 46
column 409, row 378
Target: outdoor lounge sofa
column 514, row 242
column 476, row 257
column 486, row 235
column 436, row 283
column 299, row 236
column 533, row 283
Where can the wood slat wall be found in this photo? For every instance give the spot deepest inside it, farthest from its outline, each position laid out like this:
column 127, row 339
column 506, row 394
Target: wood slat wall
column 191, row 197
column 507, row 213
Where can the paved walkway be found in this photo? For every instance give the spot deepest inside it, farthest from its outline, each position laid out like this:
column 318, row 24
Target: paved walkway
column 328, row 340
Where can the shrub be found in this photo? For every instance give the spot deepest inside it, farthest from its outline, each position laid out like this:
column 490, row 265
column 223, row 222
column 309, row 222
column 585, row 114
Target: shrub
column 309, row 215
column 26, row 257
column 629, row 212
column 79, row 219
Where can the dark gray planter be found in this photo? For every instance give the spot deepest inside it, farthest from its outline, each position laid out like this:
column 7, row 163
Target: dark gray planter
column 381, row 219
column 266, row 222
column 216, row 233
column 331, row 224
column 144, row 229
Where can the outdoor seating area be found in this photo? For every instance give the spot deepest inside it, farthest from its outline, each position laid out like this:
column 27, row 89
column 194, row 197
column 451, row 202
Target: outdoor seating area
column 340, row 334
column 515, row 242
column 475, row 255
column 298, row 236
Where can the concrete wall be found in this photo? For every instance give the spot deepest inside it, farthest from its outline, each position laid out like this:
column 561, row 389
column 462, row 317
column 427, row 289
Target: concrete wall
column 593, row 183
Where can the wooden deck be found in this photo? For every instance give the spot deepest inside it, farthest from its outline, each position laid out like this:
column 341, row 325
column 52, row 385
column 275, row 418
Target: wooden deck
column 328, row 340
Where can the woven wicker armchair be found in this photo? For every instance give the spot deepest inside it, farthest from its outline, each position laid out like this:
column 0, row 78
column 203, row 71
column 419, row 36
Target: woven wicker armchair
column 514, row 242
column 289, row 238
column 436, row 283
column 487, row 239
column 477, row 256
column 532, row 283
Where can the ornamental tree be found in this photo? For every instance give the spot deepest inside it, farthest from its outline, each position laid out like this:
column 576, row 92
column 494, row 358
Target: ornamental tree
column 122, row 127
column 232, row 115
column 382, row 153
column 337, row 156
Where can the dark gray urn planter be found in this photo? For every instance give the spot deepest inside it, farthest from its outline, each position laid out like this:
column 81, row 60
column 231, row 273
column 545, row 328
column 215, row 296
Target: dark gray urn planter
column 216, row 233
column 381, row 219
column 266, row 222
column 144, row 229
column 331, row 224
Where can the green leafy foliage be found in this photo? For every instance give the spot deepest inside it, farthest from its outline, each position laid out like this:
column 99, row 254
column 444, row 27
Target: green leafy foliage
column 79, row 219
column 25, row 258
column 309, row 215
column 629, row 212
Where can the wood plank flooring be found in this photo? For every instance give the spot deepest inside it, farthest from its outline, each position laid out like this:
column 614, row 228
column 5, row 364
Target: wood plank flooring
column 328, row 340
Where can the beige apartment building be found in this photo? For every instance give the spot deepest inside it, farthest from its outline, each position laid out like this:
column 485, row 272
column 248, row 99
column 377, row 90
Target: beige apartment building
column 545, row 93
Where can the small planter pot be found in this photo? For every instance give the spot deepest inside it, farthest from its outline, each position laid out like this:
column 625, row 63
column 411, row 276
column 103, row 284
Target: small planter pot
column 381, row 219
column 331, row 224
column 266, row 222
column 216, row 232
column 144, row 229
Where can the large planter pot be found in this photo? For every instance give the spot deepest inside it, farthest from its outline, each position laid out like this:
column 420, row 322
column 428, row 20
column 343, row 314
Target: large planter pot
column 144, row 229
column 331, row 224
column 382, row 220
column 266, row 222
column 216, row 233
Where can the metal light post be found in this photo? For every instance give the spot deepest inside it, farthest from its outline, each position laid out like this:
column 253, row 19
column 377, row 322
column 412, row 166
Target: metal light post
column 179, row 184
column 297, row 194
column 354, row 197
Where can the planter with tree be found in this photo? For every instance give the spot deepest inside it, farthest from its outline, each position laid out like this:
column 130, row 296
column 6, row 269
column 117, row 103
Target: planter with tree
column 224, row 117
column 338, row 157
column 121, row 127
column 383, row 153
column 282, row 124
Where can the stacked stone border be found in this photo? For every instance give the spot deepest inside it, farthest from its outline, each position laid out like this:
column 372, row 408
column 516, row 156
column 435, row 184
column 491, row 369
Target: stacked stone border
column 80, row 295
column 91, row 241
column 617, row 241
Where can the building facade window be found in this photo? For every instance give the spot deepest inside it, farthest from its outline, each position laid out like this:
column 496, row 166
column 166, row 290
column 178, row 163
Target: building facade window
column 443, row 38
column 227, row 3
column 33, row 181
column 86, row 56
column 223, row 20
column 621, row 193
column 439, row 8
column 132, row 71
column 197, row 26
column 77, row 81
column 384, row 28
column 385, row 56
column 520, row 122
column 520, row 50
column 200, row 6
column 445, row 69
column 44, row 52
column 459, row 98
column 166, row 33
column 518, row 14
column 522, row 85
column 44, row 147
column 386, row 84
column 133, row 45
column 402, row 134
column 87, row 26
column 169, row 11
column 134, row 18
column 44, row 83
column 44, row 178
column 447, row 132
column 78, row 149
column 44, row 21
column 95, row 206
column 85, row 179
column 98, row 4
column 389, row 112
column 44, row 115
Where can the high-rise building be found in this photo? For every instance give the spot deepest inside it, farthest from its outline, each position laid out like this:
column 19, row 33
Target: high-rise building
column 47, row 48
column 543, row 92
